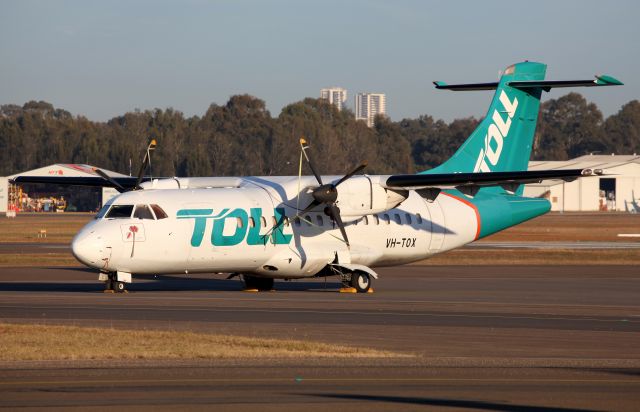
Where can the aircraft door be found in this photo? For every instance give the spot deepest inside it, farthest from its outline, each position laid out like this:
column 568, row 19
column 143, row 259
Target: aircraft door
column 437, row 226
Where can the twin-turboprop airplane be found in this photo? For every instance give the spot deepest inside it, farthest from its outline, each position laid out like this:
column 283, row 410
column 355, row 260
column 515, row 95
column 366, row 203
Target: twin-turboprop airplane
column 290, row 227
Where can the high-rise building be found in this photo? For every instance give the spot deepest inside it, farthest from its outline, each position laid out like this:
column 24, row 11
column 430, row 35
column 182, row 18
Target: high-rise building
column 334, row 95
column 368, row 105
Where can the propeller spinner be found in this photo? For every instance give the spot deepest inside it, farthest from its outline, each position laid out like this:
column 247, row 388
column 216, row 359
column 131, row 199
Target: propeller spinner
column 327, row 194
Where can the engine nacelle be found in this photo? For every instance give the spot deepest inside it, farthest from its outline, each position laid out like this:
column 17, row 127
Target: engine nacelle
column 363, row 195
column 192, row 183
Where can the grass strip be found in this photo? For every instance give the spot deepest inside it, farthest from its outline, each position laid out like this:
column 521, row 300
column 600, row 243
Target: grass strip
column 37, row 259
column 59, row 228
column 535, row 257
column 22, row 342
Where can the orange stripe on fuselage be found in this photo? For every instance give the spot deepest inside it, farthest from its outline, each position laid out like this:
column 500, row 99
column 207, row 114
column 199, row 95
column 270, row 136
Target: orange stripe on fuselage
column 472, row 206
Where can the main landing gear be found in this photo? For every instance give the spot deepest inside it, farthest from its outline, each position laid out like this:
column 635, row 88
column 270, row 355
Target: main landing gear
column 356, row 281
column 360, row 281
column 254, row 283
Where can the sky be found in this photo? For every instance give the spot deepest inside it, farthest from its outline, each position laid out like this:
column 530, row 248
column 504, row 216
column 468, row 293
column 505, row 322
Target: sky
column 101, row 59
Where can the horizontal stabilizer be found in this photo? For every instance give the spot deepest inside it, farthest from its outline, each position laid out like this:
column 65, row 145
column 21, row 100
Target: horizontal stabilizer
column 545, row 85
column 466, row 87
column 550, row 84
column 449, row 180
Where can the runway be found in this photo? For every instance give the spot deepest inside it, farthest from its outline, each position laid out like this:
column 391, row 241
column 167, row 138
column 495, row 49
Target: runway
column 553, row 245
column 483, row 338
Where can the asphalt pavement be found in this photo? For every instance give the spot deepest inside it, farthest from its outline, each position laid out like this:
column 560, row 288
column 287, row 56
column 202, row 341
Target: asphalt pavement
column 532, row 338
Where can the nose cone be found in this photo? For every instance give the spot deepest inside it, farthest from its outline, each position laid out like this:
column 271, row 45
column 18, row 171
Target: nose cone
column 88, row 249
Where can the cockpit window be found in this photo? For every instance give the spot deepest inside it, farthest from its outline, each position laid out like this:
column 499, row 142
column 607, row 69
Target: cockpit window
column 143, row 212
column 119, row 212
column 160, row 214
column 103, row 211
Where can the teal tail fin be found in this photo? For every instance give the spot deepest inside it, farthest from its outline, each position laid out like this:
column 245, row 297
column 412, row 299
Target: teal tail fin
column 502, row 141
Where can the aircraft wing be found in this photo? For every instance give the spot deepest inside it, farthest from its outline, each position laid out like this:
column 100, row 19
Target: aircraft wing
column 449, row 180
column 97, row 181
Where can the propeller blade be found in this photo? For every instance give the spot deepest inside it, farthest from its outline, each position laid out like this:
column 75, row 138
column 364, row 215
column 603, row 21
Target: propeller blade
column 313, row 169
column 109, row 179
column 353, row 172
column 145, row 163
column 334, row 213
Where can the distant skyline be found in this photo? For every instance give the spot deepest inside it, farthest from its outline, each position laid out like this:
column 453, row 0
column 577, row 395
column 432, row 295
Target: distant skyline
column 102, row 59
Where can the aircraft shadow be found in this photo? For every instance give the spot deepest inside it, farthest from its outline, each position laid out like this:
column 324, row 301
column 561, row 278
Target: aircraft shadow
column 449, row 403
column 613, row 371
column 162, row 283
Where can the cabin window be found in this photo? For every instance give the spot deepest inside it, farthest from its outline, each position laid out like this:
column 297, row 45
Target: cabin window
column 296, row 221
column 320, row 220
column 239, row 221
column 307, row 219
column 143, row 212
column 396, row 217
column 408, row 217
column 263, row 221
column 376, row 219
column 160, row 214
column 365, row 220
column 418, row 218
column 252, row 222
column 274, row 221
column 120, row 212
column 286, row 221
column 386, row 218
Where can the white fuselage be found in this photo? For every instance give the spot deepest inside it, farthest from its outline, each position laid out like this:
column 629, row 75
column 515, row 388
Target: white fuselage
column 249, row 225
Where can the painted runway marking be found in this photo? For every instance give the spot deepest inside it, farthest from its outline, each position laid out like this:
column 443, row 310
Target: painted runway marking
column 321, row 312
column 85, row 382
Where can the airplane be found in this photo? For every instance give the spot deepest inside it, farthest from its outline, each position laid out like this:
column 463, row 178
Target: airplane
column 292, row 227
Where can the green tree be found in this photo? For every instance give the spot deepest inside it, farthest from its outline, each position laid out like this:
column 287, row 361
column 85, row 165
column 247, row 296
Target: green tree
column 568, row 127
column 623, row 129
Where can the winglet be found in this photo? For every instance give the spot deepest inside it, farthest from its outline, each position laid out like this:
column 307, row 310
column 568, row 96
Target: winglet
column 439, row 84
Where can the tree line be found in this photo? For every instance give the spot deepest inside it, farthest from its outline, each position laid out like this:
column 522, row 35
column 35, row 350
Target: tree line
column 243, row 138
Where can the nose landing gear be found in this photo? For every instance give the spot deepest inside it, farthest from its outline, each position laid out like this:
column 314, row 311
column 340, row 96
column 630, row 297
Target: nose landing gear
column 112, row 284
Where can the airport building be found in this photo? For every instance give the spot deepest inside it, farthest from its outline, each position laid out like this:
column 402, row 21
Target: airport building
column 336, row 96
column 617, row 190
column 15, row 198
column 368, row 105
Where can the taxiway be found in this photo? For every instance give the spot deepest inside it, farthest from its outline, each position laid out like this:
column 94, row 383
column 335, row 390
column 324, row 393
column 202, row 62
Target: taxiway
column 484, row 337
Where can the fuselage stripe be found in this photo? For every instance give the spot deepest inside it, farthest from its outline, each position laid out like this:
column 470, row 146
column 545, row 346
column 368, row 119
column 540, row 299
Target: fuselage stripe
column 472, row 206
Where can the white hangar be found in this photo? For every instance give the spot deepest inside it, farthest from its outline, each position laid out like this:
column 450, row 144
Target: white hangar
column 9, row 193
column 617, row 190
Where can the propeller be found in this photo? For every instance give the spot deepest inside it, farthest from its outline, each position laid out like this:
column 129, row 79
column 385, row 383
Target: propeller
column 145, row 163
column 327, row 194
column 110, row 179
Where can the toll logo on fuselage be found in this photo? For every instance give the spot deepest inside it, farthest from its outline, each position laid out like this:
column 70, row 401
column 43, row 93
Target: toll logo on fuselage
column 239, row 228
column 494, row 140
